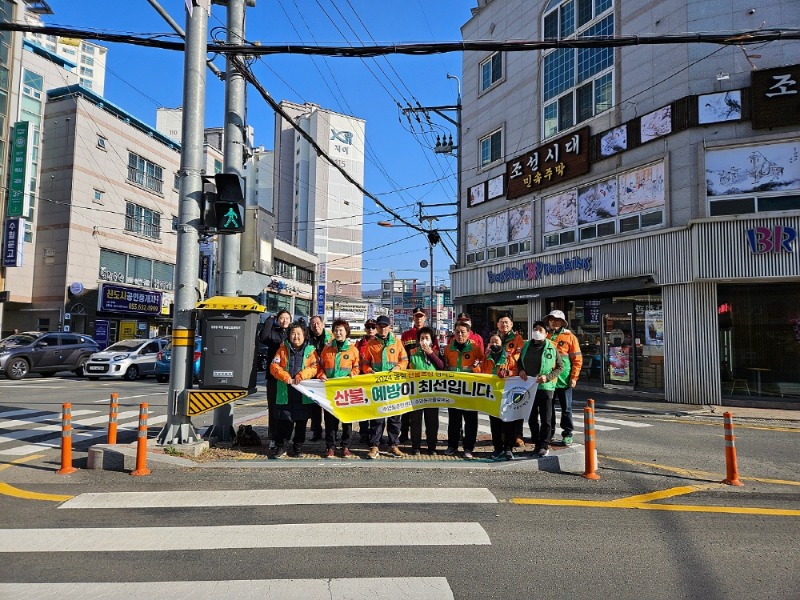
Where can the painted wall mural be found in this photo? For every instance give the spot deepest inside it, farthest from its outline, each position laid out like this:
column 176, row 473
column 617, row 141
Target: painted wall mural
column 752, row 169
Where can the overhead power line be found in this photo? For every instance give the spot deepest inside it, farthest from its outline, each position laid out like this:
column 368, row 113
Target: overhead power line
column 160, row 40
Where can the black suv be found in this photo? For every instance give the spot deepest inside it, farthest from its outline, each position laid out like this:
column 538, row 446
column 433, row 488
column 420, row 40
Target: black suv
column 45, row 352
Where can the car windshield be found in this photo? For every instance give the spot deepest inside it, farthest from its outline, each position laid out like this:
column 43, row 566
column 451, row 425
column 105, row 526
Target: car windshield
column 20, row 339
column 125, row 346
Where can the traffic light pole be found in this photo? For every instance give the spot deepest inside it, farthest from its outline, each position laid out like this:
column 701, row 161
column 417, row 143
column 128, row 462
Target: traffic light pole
column 178, row 428
column 230, row 245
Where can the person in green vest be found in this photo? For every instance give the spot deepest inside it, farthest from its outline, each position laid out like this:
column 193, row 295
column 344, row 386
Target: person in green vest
column 539, row 358
column 424, row 357
column 339, row 358
column 318, row 337
column 501, row 363
column 295, row 361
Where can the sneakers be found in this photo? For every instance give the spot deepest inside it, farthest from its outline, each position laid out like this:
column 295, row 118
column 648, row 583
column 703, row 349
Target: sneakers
column 373, row 452
column 329, row 453
column 450, row 452
column 497, row 455
column 519, row 442
column 415, row 452
column 278, row 452
column 346, row 453
column 508, row 455
column 467, row 455
column 542, row 452
column 395, row 451
column 567, row 440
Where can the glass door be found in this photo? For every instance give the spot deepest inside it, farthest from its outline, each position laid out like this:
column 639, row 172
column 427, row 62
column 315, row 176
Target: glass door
column 619, row 359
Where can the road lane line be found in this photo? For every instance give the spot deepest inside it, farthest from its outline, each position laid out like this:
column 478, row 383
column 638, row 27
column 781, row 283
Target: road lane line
column 662, row 494
column 430, row 588
column 8, row 490
column 293, row 535
column 733, row 510
column 50, row 416
column 282, row 497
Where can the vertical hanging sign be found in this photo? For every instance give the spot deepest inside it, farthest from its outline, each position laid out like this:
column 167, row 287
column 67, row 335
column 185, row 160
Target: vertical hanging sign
column 12, row 243
column 19, row 162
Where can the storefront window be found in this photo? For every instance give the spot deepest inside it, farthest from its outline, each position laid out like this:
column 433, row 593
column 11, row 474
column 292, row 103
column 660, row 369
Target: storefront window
column 759, row 340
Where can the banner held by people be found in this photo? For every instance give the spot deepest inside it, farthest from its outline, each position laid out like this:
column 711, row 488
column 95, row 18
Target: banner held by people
column 380, row 395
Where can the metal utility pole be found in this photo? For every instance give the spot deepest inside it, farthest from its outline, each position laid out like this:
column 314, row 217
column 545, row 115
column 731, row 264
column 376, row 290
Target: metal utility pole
column 179, row 428
column 230, row 245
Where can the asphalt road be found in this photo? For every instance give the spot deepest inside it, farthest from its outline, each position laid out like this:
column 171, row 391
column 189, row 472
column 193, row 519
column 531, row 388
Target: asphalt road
column 658, row 524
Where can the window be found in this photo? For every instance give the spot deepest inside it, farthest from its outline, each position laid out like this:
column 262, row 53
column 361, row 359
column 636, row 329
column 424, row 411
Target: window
column 87, row 60
column 304, row 276
column 142, row 221
column 491, row 71
column 87, row 83
column 144, row 173
column 87, row 72
column 577, row 83
column 87, row 48
column 98, row 196
column 176, row 182
column 101, row 142
column 491, row 148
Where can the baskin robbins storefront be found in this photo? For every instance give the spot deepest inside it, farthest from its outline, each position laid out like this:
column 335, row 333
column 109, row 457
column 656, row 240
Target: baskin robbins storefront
column 688, row 312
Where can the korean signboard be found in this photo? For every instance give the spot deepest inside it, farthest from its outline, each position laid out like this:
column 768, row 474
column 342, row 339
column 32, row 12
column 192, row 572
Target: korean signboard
column 19, row 168
column 12, row 243
column 775, row 97
column 116, row 298
column 552, row 163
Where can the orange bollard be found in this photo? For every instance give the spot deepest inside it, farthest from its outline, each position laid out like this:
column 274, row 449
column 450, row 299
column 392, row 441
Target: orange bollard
column 590, row 471
column 141, row 444
column 590, row 404
column 112, row 419
column 731, row 468
column 66, row 441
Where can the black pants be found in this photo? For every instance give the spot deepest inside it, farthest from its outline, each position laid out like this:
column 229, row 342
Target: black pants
column 431, row 417
column 542, row 411
column 283, row 432
column 365, row 431
column 272, row 392
column 392, row 426
column 316, row 420
column 504, row 433
column 454, row 418
column 331, row 426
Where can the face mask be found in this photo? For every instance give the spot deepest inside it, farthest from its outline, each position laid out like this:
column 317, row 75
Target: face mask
column 495, row 348
column 537, row 336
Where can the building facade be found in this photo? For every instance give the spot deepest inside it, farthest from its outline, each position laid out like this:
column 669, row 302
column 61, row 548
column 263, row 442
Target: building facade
column 650, row 192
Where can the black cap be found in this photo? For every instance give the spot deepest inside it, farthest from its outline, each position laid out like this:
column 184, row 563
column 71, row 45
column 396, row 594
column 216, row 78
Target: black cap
column 464, row 317
column 369, row 322
column 418, row 310
column 383, row 320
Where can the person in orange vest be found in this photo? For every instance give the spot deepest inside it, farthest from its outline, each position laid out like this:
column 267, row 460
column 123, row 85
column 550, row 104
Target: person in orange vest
column 512, row 341
column 295, row 361
column 501, row 363
column 462, row 355
column 385, row 353
column 339, row 358
column 569, row 348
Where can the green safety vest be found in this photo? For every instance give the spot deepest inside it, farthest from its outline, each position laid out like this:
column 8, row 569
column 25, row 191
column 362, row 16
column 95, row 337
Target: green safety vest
column 282, row 395
column 548, row 362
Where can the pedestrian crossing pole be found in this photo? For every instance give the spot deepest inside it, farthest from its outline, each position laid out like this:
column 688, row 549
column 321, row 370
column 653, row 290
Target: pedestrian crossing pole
column 66, row 440
column 113, row 409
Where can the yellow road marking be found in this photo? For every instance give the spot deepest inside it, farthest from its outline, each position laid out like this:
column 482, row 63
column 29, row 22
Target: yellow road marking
column 668, row 507
column 738, row 425
column 691, row 474
column 8, row 490
column 662, row 494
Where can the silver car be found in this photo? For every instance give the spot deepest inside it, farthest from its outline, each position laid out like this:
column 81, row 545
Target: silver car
column 127, row 359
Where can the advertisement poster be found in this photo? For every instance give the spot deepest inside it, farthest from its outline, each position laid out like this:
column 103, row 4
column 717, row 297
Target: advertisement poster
column 619, row 363
column 101, row 332
column 654, row 327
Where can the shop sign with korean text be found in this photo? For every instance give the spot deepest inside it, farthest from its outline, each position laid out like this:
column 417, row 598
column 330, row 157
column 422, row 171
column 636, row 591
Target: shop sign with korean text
column 775, row 97
column 117, row 298
column 554, row 162
column 19, row 168
column 12, row 243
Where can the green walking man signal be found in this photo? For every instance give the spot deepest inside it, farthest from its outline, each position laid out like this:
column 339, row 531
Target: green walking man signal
column 224, row 204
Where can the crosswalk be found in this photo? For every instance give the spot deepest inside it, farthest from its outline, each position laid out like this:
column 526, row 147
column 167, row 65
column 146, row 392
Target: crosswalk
column 41, row 429
column 259, row 533
column 28, row 431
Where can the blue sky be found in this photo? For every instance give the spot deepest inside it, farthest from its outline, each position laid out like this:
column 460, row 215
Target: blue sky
column 401, row 167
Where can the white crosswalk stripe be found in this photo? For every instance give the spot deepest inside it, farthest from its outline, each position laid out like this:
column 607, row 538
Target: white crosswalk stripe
column 296, row 536
column 48, row 427
column 430, row 588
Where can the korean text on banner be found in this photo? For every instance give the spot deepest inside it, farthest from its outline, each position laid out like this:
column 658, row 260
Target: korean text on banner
column 381, row 395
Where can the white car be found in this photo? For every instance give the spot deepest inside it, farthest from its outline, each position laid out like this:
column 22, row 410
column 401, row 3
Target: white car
column 127, row 359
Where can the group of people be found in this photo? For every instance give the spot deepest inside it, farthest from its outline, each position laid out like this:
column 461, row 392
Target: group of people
column 297, row 353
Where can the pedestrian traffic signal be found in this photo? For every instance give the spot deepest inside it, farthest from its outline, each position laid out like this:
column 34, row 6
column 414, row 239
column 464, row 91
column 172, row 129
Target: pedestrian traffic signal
column 229, row 204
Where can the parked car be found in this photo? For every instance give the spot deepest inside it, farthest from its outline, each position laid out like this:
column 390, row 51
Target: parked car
column 45, row 352
column 164, row 361
column 127, row 359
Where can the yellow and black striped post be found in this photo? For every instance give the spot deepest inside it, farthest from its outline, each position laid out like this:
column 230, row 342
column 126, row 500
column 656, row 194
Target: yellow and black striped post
column 731, row 468
column 66, row 440
column 141, row 443
column 113, row 409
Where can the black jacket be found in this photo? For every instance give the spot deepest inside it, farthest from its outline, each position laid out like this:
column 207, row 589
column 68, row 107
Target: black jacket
column 271, row 336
